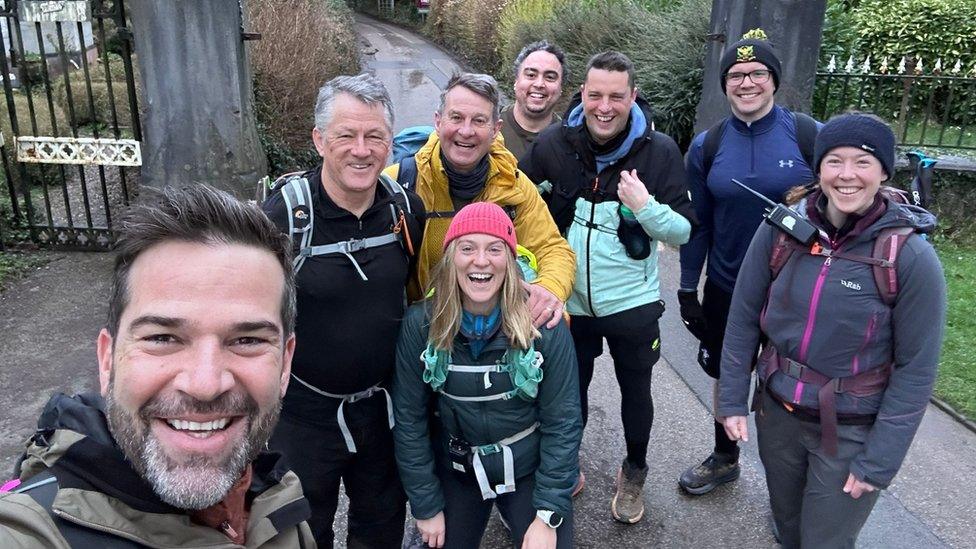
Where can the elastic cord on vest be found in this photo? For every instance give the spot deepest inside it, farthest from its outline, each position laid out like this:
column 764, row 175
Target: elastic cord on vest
column 523, row 365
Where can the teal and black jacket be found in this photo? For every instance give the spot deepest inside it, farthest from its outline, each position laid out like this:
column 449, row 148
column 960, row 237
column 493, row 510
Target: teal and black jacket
column 550, row 452
column 580, row 189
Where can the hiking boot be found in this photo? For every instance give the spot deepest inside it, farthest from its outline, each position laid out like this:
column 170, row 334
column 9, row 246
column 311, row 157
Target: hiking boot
column 628, row 503
column 580, row 483
column 716, row 469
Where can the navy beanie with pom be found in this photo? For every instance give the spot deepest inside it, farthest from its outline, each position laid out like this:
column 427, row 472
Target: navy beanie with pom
column 858, row 130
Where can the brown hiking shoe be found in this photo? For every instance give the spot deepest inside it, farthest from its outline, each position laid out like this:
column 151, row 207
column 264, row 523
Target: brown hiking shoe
column 628, row 503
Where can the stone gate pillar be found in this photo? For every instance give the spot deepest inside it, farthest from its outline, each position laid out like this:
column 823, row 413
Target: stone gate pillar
column 793, row 26
column 197, row 101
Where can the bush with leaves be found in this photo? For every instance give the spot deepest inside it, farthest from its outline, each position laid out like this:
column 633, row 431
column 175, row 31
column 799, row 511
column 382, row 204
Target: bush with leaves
column 931, row 29
column 304, row 43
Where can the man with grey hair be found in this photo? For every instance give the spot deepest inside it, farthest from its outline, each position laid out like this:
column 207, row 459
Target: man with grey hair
column 466, row 161
column 354, row 231
column 539, row 70
column 193, row 363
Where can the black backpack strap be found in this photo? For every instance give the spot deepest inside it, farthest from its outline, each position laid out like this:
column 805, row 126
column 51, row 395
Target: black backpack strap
column 297, row 195
column 710, row 147
column 407, row 174
column 806, row 135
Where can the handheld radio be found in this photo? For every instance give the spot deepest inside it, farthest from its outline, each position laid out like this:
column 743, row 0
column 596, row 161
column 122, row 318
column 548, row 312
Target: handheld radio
column 785, row 219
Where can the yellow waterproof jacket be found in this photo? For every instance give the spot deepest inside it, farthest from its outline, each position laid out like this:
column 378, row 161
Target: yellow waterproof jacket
column 506, row 186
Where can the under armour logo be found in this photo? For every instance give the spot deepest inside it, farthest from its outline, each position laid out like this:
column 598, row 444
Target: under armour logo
column 785, row 163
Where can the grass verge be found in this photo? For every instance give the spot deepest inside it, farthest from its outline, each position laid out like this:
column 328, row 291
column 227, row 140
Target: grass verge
column 13, row 265
column 956, row 383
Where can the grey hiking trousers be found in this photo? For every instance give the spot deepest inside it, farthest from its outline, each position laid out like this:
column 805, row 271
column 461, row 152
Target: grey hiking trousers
column 806, row 485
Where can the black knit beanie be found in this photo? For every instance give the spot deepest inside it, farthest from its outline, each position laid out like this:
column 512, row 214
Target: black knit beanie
column 858, row 130
column 752, row 47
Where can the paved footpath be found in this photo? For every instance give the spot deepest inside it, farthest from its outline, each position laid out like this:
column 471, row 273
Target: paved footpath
column 50, row 318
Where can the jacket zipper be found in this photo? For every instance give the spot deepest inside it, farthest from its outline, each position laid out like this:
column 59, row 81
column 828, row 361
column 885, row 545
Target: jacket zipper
column 589, row 235
column 811, row 320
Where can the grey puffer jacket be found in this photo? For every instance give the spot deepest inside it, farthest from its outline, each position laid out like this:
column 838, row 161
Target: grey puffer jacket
column 828, row 314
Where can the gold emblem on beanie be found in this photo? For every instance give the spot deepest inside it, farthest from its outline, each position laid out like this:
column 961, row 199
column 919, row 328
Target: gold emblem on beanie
column 744, row 54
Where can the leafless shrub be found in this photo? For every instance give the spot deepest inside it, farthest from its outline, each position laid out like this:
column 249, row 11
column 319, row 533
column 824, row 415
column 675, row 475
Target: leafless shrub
column 303, row 44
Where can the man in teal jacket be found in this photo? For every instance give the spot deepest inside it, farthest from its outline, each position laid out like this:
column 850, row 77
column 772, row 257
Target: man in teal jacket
column 615, row 188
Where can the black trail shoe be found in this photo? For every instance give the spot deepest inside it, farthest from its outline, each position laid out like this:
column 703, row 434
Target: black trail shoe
column 716, row 469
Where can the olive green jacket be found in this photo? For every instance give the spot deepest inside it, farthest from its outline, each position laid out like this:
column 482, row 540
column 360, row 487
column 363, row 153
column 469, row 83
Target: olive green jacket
column 101, row 501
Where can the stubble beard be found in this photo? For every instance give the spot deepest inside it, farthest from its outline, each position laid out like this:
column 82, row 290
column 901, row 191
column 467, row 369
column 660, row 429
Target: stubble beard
column 197, row 481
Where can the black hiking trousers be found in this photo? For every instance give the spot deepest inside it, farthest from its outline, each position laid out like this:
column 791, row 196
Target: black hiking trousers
column 716, row 303
column 634, row 339
column 466, row 514
column 309, row 437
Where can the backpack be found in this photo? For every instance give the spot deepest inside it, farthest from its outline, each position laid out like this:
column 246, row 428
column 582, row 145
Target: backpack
column 406, row 143
column 806, row 134
column 883, row 259
column 295, row 191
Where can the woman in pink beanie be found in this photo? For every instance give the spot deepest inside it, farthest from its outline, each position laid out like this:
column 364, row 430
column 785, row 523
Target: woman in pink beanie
column 508, row 423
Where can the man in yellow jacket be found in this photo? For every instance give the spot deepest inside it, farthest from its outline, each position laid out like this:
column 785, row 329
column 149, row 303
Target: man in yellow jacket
column 465, row 161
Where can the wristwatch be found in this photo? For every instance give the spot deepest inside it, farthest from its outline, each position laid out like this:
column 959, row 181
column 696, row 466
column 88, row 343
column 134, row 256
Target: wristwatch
column 551, row 518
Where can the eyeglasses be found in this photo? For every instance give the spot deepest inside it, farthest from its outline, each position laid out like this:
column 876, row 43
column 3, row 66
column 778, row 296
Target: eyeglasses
column 758, row 76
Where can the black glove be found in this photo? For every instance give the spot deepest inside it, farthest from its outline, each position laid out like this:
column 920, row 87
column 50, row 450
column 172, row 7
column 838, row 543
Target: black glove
column 692, row 314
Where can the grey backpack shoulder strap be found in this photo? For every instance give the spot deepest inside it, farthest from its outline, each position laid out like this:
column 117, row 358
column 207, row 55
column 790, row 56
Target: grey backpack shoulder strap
column 301, row 220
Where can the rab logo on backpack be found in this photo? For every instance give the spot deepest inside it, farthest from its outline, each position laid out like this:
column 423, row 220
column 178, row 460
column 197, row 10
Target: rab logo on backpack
column 850, row 285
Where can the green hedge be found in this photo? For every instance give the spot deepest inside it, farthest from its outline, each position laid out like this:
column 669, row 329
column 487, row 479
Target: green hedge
column 469, row 28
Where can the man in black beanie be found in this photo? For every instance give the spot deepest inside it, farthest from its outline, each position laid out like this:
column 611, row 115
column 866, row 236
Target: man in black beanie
column 768, row 148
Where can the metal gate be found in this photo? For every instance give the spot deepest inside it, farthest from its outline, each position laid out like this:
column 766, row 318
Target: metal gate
column 70, row 134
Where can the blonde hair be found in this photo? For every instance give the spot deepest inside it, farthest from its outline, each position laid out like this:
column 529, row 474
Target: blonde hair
column 445, row 310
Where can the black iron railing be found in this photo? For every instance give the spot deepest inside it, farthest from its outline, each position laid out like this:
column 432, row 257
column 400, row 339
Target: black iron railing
column 71, row 128
column 925, row 108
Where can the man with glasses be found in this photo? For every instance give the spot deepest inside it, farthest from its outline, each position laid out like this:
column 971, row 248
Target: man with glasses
column 766, row 147
column 464, row 161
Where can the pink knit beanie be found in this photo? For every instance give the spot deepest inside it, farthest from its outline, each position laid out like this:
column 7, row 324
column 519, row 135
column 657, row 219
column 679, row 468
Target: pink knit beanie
column 482, row 218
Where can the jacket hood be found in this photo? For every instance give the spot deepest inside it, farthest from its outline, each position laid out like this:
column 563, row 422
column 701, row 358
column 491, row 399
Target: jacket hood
column 73, row 440
column 640, row 102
